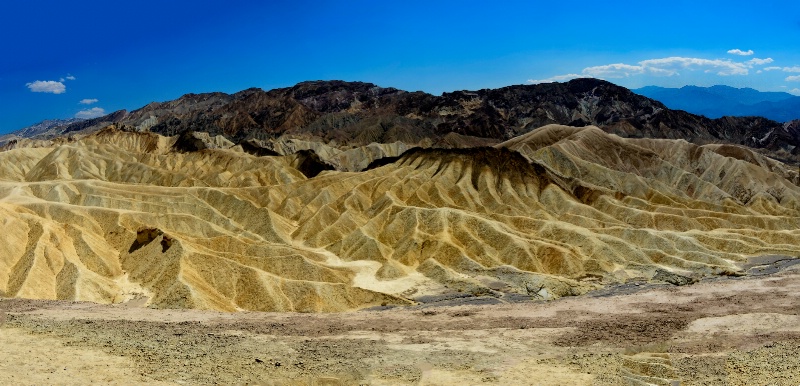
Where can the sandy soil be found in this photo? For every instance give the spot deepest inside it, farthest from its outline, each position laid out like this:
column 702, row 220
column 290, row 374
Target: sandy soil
column 734, row 331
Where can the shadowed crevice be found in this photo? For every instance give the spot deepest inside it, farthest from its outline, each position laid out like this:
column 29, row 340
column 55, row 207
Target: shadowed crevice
column 143, row 237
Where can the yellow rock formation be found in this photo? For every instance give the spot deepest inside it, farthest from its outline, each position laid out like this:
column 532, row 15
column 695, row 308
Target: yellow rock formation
column 118, row 216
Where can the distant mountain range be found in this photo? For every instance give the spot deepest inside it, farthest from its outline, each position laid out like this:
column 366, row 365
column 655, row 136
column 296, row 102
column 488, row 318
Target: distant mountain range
column 719, row 101
column 357, row 114
column 44, row 128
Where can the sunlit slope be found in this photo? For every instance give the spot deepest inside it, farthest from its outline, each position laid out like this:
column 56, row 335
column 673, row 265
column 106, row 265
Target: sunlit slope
column 118, row 216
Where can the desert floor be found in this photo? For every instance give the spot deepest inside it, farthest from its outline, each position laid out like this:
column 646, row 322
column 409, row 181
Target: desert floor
column 727, row 330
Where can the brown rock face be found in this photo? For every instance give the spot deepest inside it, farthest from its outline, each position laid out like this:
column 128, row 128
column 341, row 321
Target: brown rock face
column 356, row 114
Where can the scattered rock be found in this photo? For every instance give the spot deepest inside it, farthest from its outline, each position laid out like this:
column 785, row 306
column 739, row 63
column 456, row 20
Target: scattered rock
column 672, row 278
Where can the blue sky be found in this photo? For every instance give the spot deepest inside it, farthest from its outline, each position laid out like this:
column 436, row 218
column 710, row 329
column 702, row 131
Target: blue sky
column 64, row 59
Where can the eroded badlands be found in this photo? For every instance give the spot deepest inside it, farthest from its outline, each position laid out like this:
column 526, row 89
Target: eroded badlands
column 121, row 217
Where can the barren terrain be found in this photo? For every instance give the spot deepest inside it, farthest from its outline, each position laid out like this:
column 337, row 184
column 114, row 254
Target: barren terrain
column 566, row 255
column 560, row 211
column 735, row 331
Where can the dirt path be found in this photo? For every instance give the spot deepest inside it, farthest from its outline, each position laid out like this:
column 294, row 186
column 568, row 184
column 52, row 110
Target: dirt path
column 733, row 331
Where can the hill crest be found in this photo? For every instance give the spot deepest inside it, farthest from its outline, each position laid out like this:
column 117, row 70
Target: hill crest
column 356, row 114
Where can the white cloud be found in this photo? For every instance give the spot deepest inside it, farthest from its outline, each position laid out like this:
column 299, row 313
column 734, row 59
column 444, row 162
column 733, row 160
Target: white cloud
column 660, row 67
column 616, row 70
column 88, row 101
column 737, row 51
column 794, row 78
column 70, row 77
column 675, row 66
column 557, row 78
column 784, row 69
column 671, row 66
column 795, row 91
column 48, row 86
column 759, row 62
column 94, row 112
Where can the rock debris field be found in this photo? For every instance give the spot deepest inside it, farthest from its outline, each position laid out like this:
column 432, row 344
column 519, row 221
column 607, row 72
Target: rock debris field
column 733, row 331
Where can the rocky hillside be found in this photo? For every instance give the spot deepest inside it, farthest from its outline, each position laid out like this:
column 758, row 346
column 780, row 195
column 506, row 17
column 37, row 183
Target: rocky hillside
column 47, row 128
column 118, row 216
column 356, row 114
column 792, row 127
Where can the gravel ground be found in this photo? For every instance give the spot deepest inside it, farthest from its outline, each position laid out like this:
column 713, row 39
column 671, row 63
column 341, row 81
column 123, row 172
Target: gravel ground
column 743, row 330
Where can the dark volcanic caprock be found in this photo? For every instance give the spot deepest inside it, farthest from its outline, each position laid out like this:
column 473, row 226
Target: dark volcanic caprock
column 356, row 113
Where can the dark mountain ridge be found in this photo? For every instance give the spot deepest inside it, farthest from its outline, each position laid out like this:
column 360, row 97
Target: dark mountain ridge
column 357, row 113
